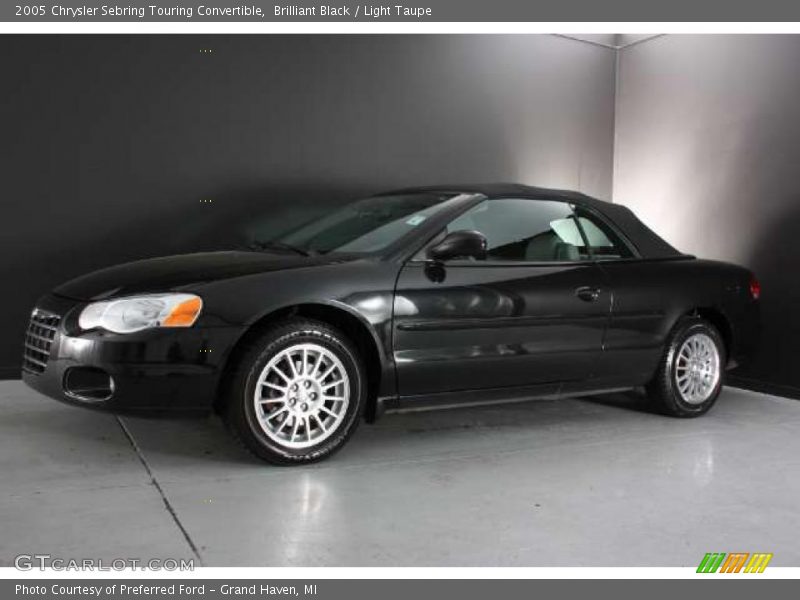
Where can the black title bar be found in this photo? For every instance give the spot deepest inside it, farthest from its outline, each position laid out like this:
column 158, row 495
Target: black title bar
column 403, row 11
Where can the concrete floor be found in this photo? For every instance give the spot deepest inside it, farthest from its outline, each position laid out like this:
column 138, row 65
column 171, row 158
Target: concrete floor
column 570, row 483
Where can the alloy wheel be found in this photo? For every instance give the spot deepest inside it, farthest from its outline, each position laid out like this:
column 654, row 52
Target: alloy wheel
column 301, row 395
column 697, row 368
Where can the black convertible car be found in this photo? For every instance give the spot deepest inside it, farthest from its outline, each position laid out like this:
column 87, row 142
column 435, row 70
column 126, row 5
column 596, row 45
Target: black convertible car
column 422, row 297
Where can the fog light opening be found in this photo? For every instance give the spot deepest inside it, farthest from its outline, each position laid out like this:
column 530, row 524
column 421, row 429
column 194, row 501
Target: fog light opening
column 88, row 384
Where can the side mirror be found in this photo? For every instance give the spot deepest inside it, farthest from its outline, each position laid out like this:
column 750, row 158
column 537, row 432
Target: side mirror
column 460, row 244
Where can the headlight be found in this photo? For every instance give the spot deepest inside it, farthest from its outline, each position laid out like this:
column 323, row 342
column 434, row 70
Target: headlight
column 135, row 313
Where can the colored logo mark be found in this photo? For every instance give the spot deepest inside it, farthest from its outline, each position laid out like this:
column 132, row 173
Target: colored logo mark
column 736, row 562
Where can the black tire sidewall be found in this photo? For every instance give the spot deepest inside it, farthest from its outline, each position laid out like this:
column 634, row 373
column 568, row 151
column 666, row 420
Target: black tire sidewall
column 688, row 329
column 271, row 344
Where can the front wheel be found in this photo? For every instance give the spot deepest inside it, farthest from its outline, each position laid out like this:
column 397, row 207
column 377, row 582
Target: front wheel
column 297, row 393
column 691, row 373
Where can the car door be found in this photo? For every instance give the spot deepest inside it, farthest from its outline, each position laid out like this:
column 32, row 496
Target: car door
column 641, row 298
column 533, row 312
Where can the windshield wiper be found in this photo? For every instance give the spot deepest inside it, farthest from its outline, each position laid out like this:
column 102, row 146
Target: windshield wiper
column 275, row 245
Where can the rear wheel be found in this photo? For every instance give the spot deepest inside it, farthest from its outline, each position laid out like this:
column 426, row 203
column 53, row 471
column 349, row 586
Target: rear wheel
column 297, row 393
column 691, row 373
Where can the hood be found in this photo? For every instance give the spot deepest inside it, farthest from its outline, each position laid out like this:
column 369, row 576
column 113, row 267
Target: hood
column 173, row 272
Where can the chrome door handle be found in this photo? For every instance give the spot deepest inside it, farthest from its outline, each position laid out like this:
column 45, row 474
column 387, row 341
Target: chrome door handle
column 588, row 293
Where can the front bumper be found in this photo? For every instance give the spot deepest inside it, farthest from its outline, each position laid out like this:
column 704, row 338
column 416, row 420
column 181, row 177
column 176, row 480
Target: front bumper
column 152, row 371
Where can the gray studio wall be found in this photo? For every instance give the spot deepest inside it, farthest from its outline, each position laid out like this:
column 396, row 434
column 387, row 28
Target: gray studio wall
column 707, row 152
column 109, row 143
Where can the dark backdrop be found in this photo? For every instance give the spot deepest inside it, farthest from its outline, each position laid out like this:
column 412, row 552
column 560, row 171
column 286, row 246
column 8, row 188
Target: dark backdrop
column 708, row 153
column 109, row 143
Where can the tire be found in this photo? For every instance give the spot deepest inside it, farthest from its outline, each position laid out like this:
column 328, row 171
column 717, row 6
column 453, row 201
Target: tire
column 678, row 389
column 280, row 402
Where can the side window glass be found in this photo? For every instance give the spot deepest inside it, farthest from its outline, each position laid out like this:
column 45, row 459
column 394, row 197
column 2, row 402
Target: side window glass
column 525, row 230
column 603, row 241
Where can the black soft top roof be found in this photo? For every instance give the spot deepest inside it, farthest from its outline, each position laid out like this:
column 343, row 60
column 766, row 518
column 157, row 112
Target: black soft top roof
column 647, row 242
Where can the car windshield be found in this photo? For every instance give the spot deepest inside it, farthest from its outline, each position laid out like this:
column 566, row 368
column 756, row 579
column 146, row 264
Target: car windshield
column 367, row 226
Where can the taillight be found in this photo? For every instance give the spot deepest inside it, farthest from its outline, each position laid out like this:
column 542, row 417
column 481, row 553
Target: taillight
column 755, row 288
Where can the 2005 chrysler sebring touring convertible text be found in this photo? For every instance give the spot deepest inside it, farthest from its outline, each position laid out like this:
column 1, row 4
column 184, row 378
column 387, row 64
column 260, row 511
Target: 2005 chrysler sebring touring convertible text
column 414, row 298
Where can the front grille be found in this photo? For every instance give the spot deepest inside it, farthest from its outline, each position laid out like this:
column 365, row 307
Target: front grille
column 38, row 340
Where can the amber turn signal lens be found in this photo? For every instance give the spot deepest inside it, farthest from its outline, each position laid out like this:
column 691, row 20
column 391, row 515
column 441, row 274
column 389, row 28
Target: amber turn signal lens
column 184, row 314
